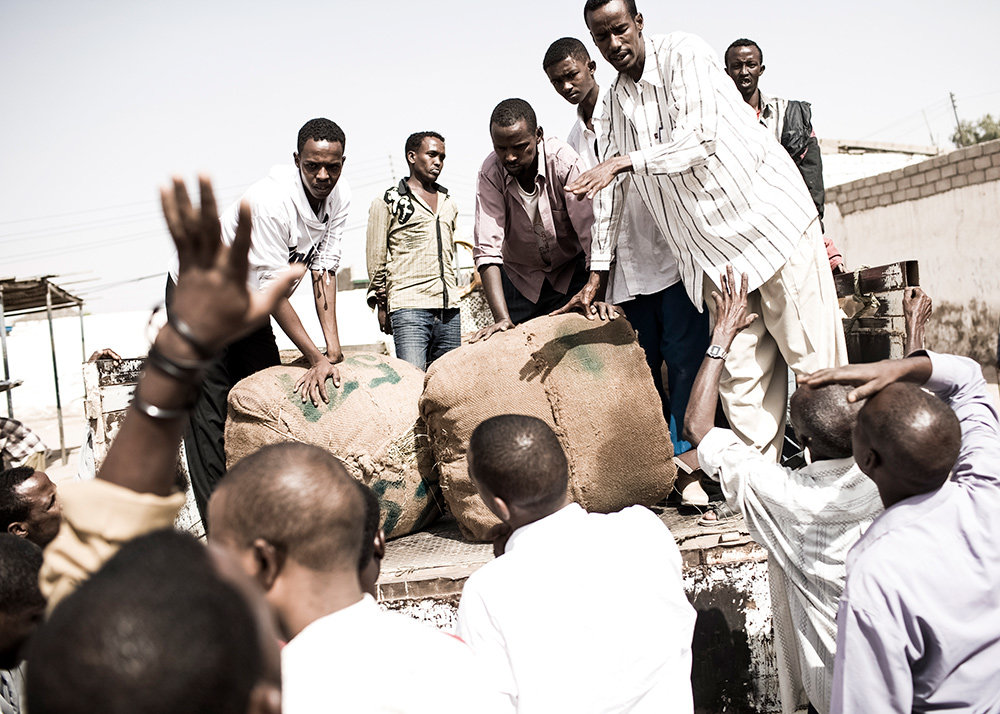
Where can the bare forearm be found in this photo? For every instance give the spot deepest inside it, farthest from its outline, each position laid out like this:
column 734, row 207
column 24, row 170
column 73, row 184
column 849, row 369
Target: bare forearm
column 493, row 287
column 325, row 294
column 914, row 337
column 700, row 415
column 288, row 320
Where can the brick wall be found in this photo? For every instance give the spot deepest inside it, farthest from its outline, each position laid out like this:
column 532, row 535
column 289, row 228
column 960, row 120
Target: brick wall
column 963, row 167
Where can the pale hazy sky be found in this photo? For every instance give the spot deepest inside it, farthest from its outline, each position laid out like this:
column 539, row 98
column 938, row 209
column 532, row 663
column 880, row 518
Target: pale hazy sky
column 102, row 101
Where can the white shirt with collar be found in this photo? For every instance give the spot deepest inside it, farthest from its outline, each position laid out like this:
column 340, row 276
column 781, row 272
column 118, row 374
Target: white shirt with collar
column 361, row 659
column 808, row 519
column 584, row 612
column 719, row 187
column 644, row 264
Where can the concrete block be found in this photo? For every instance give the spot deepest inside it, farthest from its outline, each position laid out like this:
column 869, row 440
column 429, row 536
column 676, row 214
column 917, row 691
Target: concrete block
column 991, row 147
column 955, row 156
column 960, row 180
column 885, row 199
column 904, row 183
column 927, row 190
column 942, row 185
column 995, row 159
column 940, row 161
column 933, row 175
column 877, row 190
column 870, row 181
column 852, row 195
column 982, row 162
column 911, row 169
column 993, row 173
column 977, row 177
column 919, row 180
column 965, row 166
column 912, row 193
column 898, row 196
column 896, row 175
column 949, row 170
column 974, row 151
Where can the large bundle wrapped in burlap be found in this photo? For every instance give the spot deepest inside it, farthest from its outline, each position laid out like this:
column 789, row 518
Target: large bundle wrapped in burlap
column 371, row 424
column 588, row 380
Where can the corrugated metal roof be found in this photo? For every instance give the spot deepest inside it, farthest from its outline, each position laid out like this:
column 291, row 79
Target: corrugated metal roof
column 28, row 295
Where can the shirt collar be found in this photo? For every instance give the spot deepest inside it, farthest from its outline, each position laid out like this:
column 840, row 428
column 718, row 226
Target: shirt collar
column 651, row 68
column 404, row 188
column 554, row 522
column 766, row 105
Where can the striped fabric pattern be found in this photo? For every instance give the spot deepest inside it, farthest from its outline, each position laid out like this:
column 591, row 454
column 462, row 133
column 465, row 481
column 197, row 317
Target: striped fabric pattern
column 718, row 185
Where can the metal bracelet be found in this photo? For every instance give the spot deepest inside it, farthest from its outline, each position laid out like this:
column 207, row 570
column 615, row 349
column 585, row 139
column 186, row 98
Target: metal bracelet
column 187, row 372
column 155, row 412
column 184, row 331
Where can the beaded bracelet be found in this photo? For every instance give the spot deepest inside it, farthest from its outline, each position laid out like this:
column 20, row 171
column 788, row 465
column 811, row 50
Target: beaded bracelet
column 184, row 331
column 187, row 372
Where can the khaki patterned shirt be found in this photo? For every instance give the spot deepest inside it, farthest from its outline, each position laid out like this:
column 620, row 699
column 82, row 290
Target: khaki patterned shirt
column 411, row 250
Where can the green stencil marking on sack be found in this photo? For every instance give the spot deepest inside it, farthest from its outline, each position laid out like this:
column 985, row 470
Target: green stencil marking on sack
column 311, row 412
column 580, row 346
column 391, row 509
column 388, row 374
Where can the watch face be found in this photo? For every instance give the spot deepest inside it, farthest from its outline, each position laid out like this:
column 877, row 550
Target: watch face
column 716, row 351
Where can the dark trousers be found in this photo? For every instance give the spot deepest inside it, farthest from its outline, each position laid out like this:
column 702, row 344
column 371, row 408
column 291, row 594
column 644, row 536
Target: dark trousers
column 203, row 435
column 670, row 329
column 521, row 309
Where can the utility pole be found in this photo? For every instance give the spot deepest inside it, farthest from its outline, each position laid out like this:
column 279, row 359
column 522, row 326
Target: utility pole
column 958, row 122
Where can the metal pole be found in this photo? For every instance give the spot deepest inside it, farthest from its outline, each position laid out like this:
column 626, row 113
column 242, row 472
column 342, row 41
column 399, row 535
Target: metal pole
column 83, row 340
column 6, row 367
column 55, row 371
column 958, row 122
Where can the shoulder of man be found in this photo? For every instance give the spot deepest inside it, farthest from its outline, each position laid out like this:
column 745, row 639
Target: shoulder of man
column 492, row 171
column 560, row 155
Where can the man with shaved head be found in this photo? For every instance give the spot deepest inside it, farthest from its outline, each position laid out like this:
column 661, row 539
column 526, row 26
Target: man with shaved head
column 580, row 612
column 296, row 521
column 806, row 518
column 919, row 622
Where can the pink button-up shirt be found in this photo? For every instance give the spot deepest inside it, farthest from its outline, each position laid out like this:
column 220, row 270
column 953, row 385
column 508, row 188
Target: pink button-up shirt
column 504, row 233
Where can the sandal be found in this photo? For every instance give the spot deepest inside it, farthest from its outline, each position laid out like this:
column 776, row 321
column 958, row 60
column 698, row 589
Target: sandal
column 723, row 512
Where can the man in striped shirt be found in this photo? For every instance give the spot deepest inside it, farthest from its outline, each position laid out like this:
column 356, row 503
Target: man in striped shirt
column 721, row 190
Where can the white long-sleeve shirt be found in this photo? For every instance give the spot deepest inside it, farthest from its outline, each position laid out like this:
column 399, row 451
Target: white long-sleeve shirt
column 720, row 189
column 644, row 264
column 808, row 519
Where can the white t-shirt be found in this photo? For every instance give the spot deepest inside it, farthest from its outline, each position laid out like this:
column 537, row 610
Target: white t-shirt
column 361, row 659
column 644, row 264
column 284, row 227
column 584, row 612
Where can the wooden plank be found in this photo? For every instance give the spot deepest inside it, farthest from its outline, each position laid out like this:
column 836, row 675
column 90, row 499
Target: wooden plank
column 894, row 276
column 112, row 372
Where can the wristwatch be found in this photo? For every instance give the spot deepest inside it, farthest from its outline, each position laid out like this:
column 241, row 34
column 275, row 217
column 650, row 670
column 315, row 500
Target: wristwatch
column 716, row 352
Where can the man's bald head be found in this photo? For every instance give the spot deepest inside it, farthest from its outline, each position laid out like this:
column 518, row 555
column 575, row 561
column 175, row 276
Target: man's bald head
column 824, row 419
column 907, row 440
column 298, row 498
column 519, row 459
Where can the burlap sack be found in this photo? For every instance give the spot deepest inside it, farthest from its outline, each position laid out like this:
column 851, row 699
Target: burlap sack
column 588, row 380
column 371, row 424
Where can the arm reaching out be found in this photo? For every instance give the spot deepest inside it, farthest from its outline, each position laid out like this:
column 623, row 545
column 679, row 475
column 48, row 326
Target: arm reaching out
column 917, row 309
column 212, row 307
column 874, row 377
column 731, row 318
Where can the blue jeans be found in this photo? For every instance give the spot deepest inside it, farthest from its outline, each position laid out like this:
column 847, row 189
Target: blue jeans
column 421, row 336
column 670, row 329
